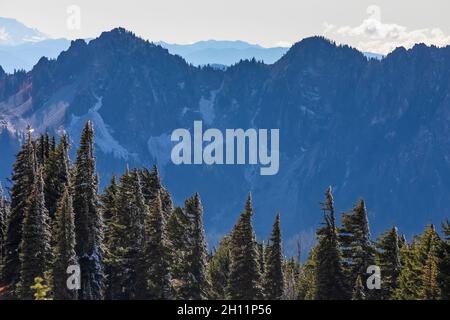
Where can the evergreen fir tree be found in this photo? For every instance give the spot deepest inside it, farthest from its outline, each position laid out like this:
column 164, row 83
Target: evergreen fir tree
column 418, row 277
column 328, row 271
column 262, row 252
column 114, row 242
column 244, row 281
column 179, row 240
column 64, row 250
column 88, row 220
column 3, row 218
column 273, row 281
column 151, row 185
column 444, row 263
column 357, row 249
column 157, row 253
column 359, row 291
column 56, row 174
column 35, row 249
column 291, row 271
column 109, row 206
column 132, row 214
column 307, row 277
column 388, row 258
column 218, row 270
column 23, row 177
column 197, row 283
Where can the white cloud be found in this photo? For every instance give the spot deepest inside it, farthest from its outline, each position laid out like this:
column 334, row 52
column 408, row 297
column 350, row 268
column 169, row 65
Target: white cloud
column 374, row 35
column 3, row 34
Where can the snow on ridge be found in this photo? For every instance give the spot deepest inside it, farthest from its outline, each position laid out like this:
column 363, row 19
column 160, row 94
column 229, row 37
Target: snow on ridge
column 103, row 136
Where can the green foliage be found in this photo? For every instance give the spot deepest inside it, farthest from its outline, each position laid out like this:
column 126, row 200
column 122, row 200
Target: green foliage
column 218, row 270
column 157, row 255
column 388, row 259
column 35, row 250
column 88, row 219
column 273, row 280
column 23, row 177
column 328, row 270
column 244, row 281
column 357, row 249
column 40, row 289
column 64, row 248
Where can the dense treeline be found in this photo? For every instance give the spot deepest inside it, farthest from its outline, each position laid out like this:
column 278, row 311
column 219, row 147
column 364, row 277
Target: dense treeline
column 132, row 243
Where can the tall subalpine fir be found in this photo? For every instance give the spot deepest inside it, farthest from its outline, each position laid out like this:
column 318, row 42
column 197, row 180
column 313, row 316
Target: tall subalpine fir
column 273, row 281
column 307, row 278
column 357, row 249
column 328, row 271
column 109, row 206
column 418, row 278
column 291, row 274
column 444, row 263
column 88, row 219
column 151, row 185
column 56, row 174
column 179, row 243
column 4, row 213
column 132, row 215
column 64, row 246
column 359, row 290
column 35, row 249
column 388, row 258
column 157, row 255
column 244, row 281
column 23, row 178
column 114, row 242
column 218, row 270
column 196, row 285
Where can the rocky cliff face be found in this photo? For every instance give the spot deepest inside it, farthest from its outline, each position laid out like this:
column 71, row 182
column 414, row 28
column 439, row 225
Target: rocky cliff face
column 372, row 129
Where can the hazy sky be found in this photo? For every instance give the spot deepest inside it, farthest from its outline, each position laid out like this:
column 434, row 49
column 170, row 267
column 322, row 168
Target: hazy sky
column 375, row 25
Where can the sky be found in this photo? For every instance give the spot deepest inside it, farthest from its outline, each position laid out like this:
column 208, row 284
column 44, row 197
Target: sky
column 369, row 25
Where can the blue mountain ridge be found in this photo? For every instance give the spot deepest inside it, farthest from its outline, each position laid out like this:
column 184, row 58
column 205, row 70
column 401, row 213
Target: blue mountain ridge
column 376, row 129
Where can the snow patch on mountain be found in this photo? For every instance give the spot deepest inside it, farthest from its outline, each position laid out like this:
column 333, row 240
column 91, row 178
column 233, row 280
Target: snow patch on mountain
column 104, row 139
column 206, row 106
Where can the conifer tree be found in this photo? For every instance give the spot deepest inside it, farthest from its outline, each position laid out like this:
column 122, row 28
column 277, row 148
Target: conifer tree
column 179, row 242
column 109, row 206
column 3, row 218
column 35, row 249
column 197, row 283
column 444, row 263
column 328, row 271
column 23, row 177
column 132, row 214
column 64, row 250
column 88, row 220
column 307, row 277
column 418, row 277
column 291, row 272
column 244, row 281
column 114, row 242
column 262, row 252
column 218, row 270
column 359, row 291
column 388, row 258
column 157, row 253
column 273, row 281
column 56, row 174
column 357, row 249
column 151, row 185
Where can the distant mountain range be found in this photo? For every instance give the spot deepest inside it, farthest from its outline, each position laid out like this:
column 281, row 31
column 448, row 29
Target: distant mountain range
column 21, row 47
column 377, row 129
